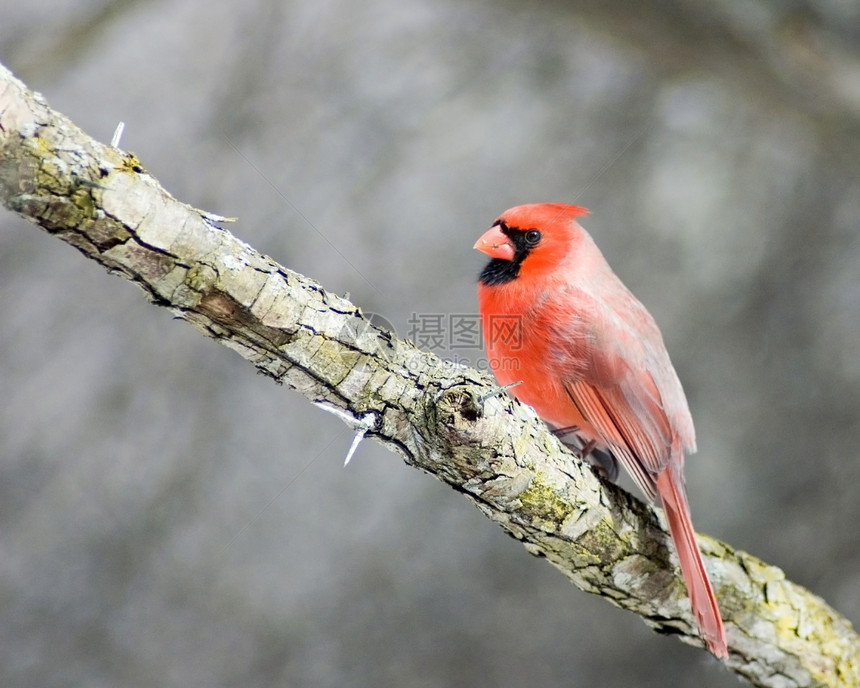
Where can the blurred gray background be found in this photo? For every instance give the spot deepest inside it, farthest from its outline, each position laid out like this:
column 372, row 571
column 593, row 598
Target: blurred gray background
column 170, row 518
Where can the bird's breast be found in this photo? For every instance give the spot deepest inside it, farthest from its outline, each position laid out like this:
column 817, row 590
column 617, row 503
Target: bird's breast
column 528, row 342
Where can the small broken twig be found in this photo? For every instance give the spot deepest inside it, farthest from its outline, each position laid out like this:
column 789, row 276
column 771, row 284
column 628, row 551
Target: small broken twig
column 361, row 425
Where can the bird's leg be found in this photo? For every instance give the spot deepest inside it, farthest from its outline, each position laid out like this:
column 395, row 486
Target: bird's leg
column 604, row 463
column 587, row 449
column 571, row 429
column 601, row 461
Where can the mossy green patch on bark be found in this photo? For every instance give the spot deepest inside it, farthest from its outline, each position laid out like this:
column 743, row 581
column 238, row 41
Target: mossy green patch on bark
column 201, row 277
column 542, row 503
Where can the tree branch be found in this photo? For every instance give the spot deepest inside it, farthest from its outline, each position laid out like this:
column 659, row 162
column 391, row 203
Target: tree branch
column 447, row 420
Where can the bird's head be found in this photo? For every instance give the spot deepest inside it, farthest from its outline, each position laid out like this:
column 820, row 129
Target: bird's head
column 529, row 240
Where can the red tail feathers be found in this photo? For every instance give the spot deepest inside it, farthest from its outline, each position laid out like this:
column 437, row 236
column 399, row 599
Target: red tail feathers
column 704, row 603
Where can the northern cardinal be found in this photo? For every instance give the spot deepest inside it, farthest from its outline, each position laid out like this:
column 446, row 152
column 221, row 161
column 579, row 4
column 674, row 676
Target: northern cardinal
column 589, row 358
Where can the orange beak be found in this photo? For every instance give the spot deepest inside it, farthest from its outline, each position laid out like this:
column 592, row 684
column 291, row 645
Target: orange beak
column 495, row 244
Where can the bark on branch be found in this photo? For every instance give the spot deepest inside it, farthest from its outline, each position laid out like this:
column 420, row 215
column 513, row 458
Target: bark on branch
column 447, row 420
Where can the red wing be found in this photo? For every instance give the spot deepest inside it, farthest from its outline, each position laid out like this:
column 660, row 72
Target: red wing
column 622, row 382
column 620, row 433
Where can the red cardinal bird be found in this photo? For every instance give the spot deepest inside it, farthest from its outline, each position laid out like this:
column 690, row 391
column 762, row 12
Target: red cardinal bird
column 590, row 357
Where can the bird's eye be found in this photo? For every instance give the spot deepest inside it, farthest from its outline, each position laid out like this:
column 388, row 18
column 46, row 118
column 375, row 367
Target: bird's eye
column 532, row 237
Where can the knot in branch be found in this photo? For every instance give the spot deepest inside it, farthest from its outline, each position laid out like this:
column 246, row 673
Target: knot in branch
column 457, row 411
